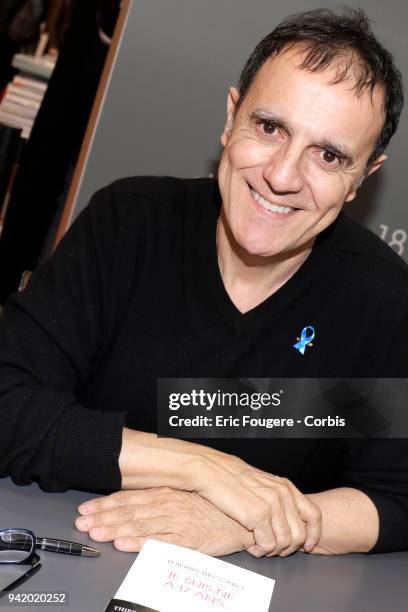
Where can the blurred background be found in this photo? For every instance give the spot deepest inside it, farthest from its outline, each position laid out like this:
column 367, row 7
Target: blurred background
column 123, row 88
column 52, row 53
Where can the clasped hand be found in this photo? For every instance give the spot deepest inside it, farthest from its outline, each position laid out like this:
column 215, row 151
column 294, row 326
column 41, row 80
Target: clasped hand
column 128, row 518
column 231, row 507
column 280, row 517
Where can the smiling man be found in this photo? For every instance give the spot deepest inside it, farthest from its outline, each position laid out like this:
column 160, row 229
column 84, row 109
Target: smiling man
column 163, row 277
column 296, row 147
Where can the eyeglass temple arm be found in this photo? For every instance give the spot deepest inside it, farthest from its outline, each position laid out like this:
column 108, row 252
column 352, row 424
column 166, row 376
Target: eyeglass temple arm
column 35, row 567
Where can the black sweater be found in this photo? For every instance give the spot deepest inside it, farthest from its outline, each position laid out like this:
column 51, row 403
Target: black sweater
column 134, row 293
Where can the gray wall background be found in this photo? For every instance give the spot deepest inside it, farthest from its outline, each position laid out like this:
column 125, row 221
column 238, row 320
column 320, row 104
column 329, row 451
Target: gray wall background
column 165, row 105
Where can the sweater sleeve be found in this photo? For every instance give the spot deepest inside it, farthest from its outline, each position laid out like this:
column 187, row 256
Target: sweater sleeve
column 379, row 467
column 52, row 337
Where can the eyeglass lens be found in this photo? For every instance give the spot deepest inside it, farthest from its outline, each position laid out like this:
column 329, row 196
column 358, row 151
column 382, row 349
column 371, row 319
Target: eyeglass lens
column 15, row 546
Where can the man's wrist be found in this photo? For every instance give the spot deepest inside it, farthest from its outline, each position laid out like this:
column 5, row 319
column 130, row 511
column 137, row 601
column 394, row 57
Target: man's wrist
column 146, row 461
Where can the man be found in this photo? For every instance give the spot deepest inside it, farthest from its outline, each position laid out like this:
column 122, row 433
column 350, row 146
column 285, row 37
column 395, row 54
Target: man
column 173, row 278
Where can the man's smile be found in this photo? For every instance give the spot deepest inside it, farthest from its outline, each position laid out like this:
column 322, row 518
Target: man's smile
column 274, row 208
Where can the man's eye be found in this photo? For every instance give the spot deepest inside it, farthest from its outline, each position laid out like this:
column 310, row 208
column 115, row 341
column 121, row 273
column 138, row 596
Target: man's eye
column 269, row 128
column 329, row 157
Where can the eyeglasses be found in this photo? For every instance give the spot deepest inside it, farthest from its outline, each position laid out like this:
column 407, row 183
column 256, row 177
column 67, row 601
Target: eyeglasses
column 17, row 547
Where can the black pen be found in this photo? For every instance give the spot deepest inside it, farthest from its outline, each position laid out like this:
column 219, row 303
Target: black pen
column 68, row 548
column 65, row 547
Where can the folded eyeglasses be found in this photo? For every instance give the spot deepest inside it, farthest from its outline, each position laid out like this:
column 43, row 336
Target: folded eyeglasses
column 17, row 548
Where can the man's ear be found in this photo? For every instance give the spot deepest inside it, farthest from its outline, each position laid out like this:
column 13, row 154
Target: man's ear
column 373, row 168
column 232, row 100
column 377, row 164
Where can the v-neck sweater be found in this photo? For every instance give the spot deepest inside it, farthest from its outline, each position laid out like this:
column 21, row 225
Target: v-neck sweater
column 134, row 293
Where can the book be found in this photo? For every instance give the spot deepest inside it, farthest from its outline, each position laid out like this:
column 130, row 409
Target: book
column 24, row 91
column 36, row 84
column 38, row 66
column 170, row 578
column 15, row 121
column 17, row 99
column 18, row 109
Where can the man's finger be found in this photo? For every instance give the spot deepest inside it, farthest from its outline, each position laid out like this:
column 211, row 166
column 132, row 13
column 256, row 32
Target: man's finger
column 310, row 514
column 312, row 518
column 106, row 502
column 134, row 544
column 118, row 499
column 296, row 525
column 255, row 514
column 139, row 528
column 280, row 527
column 119, row 515
column 256, row 551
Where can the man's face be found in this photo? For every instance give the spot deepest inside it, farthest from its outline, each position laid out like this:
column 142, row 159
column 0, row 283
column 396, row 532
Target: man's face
column 293, row 154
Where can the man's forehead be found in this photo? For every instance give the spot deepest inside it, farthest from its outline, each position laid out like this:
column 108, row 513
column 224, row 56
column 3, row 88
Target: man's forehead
column 288, row 63
column 299, row 96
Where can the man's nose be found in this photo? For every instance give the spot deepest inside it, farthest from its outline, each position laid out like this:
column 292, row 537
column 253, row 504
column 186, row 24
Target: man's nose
column 283, row 173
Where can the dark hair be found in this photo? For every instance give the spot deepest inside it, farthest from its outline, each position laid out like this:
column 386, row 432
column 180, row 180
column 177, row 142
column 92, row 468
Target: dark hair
column 341, row 38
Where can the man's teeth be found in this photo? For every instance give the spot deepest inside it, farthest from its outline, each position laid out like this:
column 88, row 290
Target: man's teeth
column 272, row 207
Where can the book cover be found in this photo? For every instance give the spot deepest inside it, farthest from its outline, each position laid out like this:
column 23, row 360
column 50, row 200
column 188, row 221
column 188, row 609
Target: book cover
column 170, row 578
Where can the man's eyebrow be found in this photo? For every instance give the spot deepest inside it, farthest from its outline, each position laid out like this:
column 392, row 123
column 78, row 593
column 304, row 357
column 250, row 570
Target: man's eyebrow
column 340, row 151
column 260, row 115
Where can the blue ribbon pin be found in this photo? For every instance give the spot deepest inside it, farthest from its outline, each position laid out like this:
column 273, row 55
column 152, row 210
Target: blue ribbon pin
column 306, row 336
